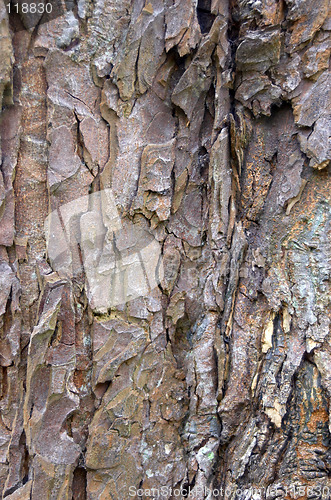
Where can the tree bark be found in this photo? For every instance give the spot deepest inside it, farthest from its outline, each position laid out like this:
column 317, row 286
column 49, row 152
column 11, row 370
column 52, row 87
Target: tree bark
column 208, row 122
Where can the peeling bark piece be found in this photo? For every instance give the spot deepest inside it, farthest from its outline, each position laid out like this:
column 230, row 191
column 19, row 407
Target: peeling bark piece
column 108, row 26
column 9, row 315
column 95, row 143
column 51, row 479
column 316, row 59
column 70, row 84
column 154, row 189
column 136, row 125
column 220, row 179
column 2, row 192
column 124, row 72
column 176, row 308
column 63, row 160
column 187, row 222
column 318, row 144
column 268, row 12
column 109, row 100
column 157, row 163
column 70, row 31
column 150, row 53
column 142, row 54
column 171, row 263
column 8, row 279
column 267, row 334
column 287, row 73
column 182, row 27
column 195, row 82
column 258, row 51
column 163, row 77
column 312, row 101
column 23, row 493
column 307, row 19
column 42, row 412
column 115, row 343
column 256, row 92
column 293, row 201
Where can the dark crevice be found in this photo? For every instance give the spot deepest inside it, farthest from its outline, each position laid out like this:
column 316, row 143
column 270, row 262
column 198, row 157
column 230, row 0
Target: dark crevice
column 233, row 27
column 233, row 38
column 205, row 17
column 12, row 489
column 179, row 68
column 24, row 472
column 57, row 334
column 4, row 382
column 7, row 97
column 25, row 458
column 79, row 484
column 203, row 163
column 277, row 328
column 192, row 483
column 185, row 490
column 101, row 388
column 181, row 342
column 72, row 45
column 81, row 146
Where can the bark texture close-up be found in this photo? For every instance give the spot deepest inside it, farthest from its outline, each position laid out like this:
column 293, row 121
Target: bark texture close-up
column 209, row 122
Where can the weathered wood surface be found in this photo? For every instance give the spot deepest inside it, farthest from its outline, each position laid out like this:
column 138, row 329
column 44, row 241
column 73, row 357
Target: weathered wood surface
column 210, row 123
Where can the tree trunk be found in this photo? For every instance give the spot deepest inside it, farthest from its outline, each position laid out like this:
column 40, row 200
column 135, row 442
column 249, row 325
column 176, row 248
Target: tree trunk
column 199, row 128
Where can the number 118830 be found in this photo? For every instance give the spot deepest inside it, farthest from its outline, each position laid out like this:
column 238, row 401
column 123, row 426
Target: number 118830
column 29, row 8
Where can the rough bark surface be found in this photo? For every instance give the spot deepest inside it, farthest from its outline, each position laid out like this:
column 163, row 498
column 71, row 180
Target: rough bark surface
column 209, row 120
